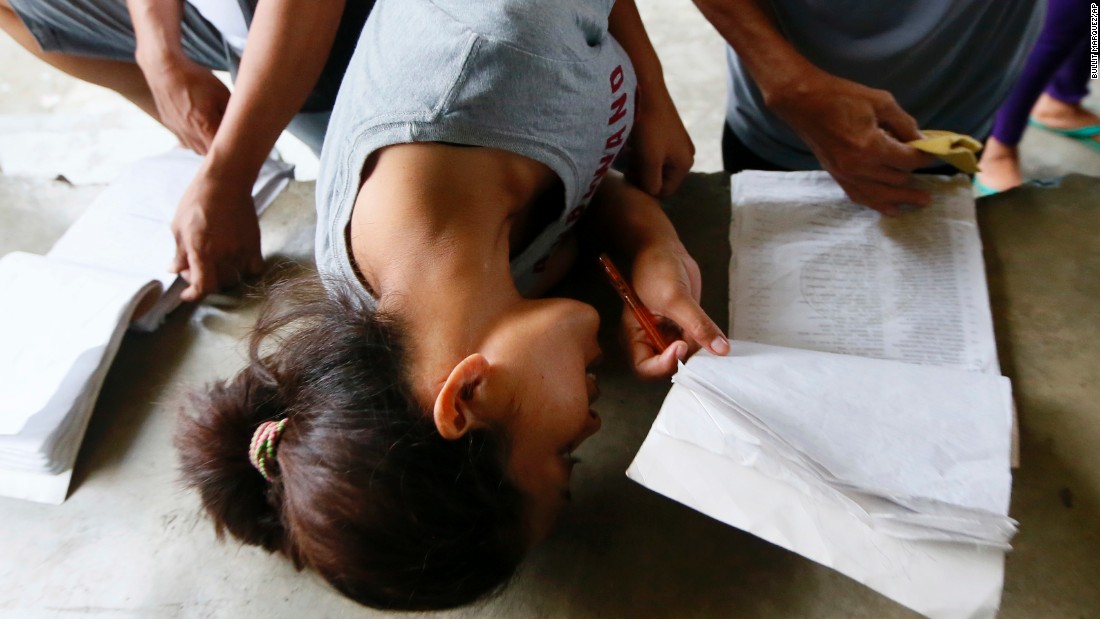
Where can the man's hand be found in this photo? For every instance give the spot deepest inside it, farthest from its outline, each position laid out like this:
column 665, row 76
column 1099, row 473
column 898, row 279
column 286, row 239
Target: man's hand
column 661, row 151
column 190, row 100
column 217, row 236
column 667, row 281
column 858, row 135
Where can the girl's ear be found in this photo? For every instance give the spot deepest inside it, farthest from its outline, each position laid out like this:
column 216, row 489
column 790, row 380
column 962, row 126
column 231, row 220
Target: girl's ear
column 455, row 410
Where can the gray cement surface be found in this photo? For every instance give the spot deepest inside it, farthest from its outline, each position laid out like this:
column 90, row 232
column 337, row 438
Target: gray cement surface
column 129, row 543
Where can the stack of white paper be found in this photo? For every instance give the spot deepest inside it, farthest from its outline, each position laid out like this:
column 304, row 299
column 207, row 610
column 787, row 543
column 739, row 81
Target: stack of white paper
column 922, row 452
column 128, row 227
column 64, row 314
column 708, row 456
column 811, row 269
column 889, row 462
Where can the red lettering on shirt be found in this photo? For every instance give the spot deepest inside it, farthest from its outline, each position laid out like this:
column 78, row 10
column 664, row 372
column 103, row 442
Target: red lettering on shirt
column 617, row 79
column 591, row 189
column 619, row 109
column 605, row 163
column 576, row 214
column 615, row 140
column 612, row 145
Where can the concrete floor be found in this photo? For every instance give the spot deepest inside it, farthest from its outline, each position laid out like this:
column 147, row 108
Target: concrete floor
column 130, row 543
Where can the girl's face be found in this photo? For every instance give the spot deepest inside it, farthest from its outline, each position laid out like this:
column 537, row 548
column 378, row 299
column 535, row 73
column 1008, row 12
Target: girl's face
column 542, row 355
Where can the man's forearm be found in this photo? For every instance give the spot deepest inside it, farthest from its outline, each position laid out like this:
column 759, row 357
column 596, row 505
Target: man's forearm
column 750, row 28
column 156, row 29
column 288, row 44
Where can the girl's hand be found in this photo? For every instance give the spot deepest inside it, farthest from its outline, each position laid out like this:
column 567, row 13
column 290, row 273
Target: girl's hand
column 667, row 281
column 661, row 151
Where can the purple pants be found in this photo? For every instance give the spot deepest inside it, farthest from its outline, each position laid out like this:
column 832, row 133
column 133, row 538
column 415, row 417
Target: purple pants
column 1059, row 63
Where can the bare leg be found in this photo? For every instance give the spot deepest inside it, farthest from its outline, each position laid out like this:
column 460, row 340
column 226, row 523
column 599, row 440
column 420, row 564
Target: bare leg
column 1000, row 164
column 122, row 77
column 1062, row 115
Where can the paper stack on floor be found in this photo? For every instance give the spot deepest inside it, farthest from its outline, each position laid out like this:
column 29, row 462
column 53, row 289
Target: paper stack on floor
column 831, row 422
column 63, row 315
column 893, row 473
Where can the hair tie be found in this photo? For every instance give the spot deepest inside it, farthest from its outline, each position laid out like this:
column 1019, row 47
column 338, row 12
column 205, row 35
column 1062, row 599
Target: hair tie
column 261, row 450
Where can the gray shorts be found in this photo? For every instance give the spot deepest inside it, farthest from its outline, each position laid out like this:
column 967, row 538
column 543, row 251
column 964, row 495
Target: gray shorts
column 102, row 29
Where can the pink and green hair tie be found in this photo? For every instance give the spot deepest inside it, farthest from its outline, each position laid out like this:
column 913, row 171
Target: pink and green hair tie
column 261, row 451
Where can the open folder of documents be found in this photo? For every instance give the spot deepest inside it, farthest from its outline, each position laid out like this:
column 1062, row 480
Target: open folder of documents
column 860, row 419
column 63, row 315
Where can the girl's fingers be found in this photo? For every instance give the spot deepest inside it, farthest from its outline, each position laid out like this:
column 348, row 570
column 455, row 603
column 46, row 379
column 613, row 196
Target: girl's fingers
column 649, row 363
column 696, row 325
column 649, row 366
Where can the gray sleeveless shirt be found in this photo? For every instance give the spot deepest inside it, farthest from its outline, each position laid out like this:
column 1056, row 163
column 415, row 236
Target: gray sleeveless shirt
column 543, row 80
column 949, row 63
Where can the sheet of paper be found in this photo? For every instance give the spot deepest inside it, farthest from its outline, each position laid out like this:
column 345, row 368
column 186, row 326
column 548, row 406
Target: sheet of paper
column 733, row 437
column 128, row 227
column 64, row 315
column 938, row 580
column 812, row 270
column 50, row 439
column 890, row 461
column 56, row 323
column 38, row 487
column 916, row 435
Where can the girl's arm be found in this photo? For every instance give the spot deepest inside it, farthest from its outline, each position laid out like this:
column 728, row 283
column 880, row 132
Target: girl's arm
column 662, row 272
column 661, row 150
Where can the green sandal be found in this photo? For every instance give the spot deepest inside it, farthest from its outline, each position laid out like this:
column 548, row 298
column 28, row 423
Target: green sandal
column 1084, row 135
column 982, row 189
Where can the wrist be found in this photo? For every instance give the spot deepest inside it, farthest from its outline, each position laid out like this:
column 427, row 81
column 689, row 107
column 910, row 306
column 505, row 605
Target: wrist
column 659, row 243
column 230, row 160
column 158, row 56
column 645, row 232
column 653, row 95
column 793, row 83
column 224, row 177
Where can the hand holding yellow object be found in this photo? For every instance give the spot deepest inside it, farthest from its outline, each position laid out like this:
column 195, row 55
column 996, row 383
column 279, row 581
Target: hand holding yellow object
column 954, row 148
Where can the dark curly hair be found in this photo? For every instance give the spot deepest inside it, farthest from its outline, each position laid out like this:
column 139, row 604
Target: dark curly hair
column 365, row 491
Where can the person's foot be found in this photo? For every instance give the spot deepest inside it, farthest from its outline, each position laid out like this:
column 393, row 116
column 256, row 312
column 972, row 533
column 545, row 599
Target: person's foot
column 1060, row 115
column 1000, row 166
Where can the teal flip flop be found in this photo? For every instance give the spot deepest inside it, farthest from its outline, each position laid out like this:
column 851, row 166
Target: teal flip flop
column 1083, row 135
column 982, row 189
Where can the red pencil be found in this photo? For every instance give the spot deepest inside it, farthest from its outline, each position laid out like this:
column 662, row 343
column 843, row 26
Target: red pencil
column 633, row 302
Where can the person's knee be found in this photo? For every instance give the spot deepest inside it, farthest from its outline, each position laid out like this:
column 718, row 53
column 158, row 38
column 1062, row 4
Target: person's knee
column 12, row 25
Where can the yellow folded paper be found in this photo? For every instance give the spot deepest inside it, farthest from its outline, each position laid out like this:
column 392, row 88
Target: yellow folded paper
column 954, row 148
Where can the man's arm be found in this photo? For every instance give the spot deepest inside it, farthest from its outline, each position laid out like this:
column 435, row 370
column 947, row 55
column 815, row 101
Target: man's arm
column 857, row 133
column 662, row 152
column 288, row 44
column 190, row 100
column 217, row 233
